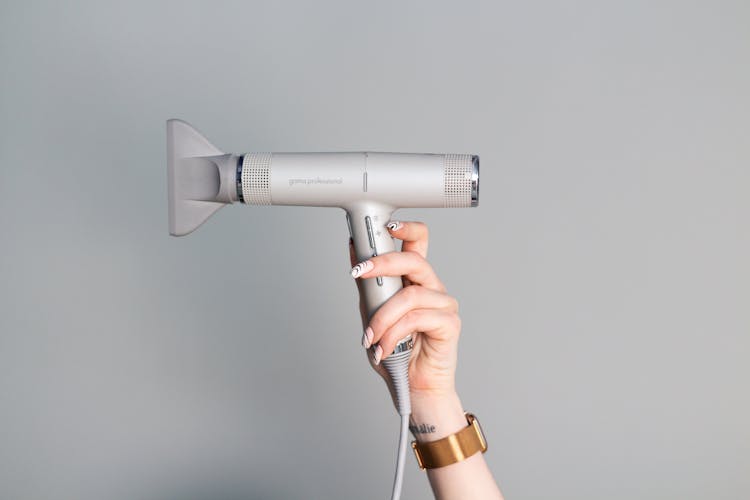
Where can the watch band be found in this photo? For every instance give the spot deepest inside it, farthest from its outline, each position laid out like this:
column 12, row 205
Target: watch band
column 453, row 448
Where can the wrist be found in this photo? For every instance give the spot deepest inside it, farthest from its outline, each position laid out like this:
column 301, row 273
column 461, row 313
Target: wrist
column 436, row 415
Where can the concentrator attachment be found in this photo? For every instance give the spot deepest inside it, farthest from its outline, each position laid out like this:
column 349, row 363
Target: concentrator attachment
column 200, row 177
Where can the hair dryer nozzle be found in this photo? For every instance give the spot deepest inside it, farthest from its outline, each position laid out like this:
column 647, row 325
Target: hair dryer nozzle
column 195, row 168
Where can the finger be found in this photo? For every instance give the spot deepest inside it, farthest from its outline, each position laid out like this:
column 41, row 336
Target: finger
column 434, row 323
column 414, row 235
column 403, row 301
column 370, row 353
column 353, row 260
column 409, row 264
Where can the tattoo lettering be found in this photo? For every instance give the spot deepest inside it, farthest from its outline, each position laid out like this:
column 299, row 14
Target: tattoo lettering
column 422, row 429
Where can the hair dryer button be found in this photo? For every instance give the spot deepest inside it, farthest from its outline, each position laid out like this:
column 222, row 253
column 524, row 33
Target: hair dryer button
column 370, row 234
column 349, row 225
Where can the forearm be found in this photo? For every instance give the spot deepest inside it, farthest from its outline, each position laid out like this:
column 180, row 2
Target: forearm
column 435, row 417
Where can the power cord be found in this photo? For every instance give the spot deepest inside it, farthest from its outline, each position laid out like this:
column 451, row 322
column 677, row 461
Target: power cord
column 397, row 366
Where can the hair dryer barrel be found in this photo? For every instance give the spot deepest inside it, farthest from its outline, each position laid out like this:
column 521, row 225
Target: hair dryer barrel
column 202, row 179
column 398, row 180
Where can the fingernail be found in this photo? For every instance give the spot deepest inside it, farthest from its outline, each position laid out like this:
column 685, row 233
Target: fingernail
column 362, row 268
column 394, row 225
column 367, row 338
column 378, row 354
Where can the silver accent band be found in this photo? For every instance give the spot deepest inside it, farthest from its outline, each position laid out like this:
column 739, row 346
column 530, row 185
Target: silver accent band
column 238, row 179
column 475, row 181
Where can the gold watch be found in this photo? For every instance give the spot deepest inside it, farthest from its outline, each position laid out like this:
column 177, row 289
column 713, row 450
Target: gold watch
column 453, row 448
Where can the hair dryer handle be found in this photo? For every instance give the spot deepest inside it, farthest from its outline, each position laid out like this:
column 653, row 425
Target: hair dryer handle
column 371, row 237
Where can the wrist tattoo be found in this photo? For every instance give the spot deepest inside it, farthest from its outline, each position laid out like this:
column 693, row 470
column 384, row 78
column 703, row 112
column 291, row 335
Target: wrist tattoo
column 422, row 429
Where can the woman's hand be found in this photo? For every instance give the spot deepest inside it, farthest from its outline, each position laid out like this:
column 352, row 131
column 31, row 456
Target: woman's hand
column 422, row 308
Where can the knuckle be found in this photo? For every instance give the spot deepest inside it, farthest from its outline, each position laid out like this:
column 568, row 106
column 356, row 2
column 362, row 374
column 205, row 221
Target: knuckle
column 378, row 260
column 456, row 322
column 421, row 229
column 411, row 293
column 412, row 318
column 414, row 257
column 419, row 264
column 386, row 257
column 376, row 323
column 453, row 303
column 419, row 258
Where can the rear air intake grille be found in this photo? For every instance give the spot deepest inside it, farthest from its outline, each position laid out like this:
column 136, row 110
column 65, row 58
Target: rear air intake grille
column 457, row 180
column 256, row 174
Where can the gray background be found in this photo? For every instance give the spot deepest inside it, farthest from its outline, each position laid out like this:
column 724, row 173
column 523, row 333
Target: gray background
column 604, row 280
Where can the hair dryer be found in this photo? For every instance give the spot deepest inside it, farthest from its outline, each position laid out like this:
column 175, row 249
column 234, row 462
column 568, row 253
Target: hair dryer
column 368, row 186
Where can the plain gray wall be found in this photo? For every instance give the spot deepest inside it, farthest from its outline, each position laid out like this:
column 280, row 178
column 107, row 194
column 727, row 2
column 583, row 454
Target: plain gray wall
column 604, row 280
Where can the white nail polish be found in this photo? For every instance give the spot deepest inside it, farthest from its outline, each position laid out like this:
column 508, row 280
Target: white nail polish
column 394, row 225
column 367, row 338
column 378, row 354
column 362, row 268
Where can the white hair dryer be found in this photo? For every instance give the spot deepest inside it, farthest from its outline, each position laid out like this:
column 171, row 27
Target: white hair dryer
column 368, row 186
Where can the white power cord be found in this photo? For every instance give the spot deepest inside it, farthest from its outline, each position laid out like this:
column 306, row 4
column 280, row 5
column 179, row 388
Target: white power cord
column 397, row 366
column 398, row 481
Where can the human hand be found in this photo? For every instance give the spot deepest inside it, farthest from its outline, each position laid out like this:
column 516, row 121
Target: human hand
column 423, row 309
